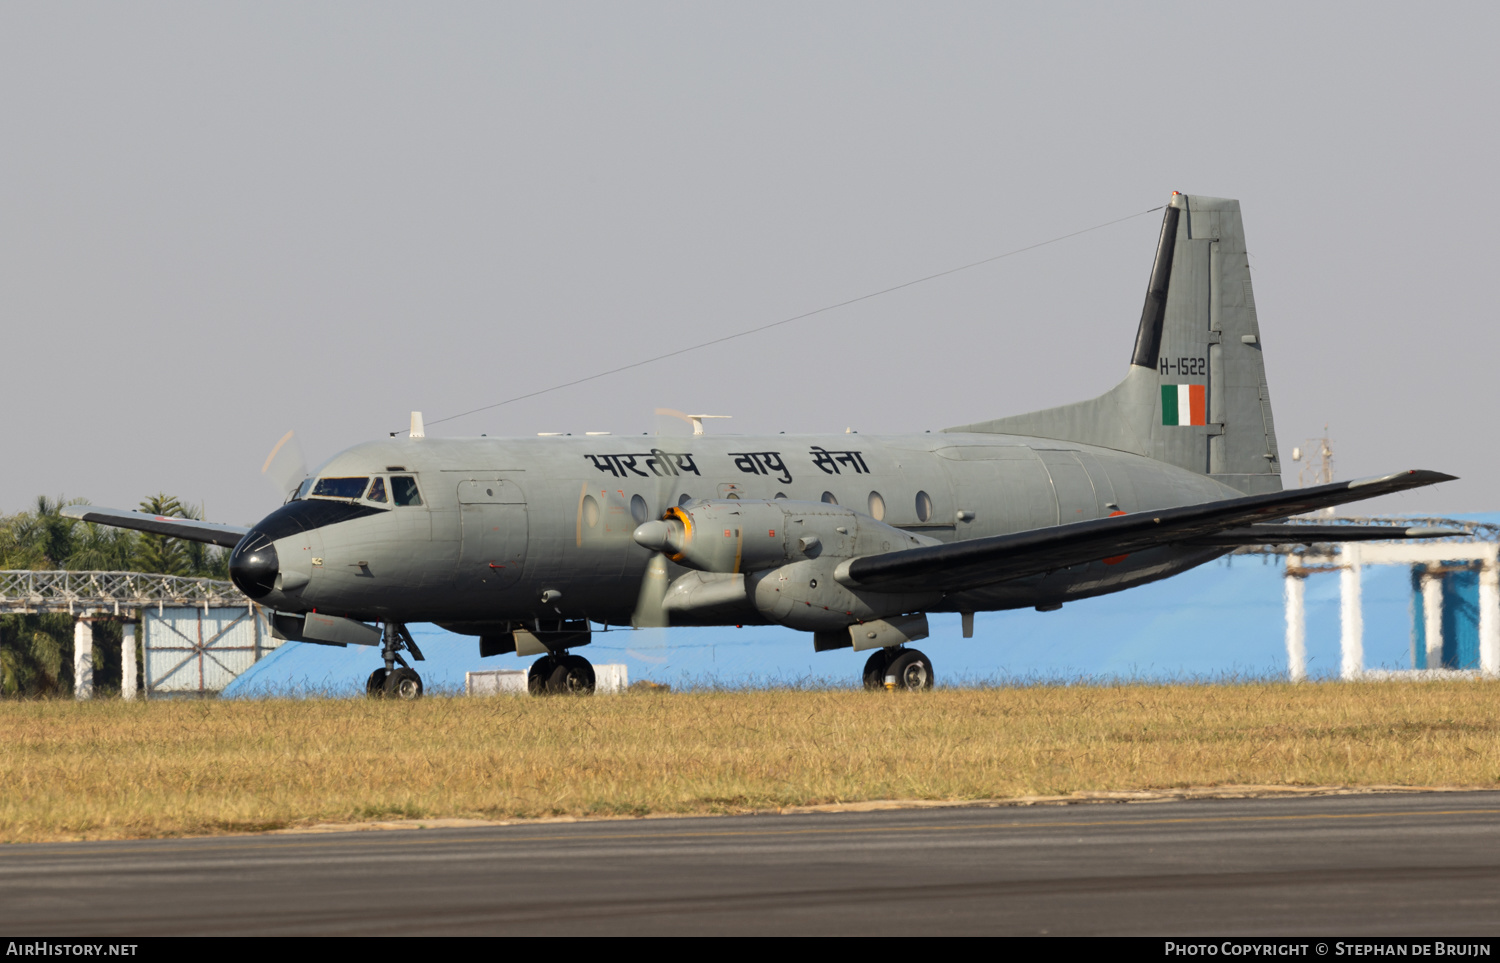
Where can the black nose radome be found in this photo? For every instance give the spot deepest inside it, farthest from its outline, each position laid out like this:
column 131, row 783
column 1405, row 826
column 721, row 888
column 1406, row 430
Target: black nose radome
column 253, row 565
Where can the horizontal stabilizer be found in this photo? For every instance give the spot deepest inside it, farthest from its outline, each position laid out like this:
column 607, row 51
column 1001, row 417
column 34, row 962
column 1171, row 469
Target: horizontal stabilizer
column 972, row 563
column 1308, row 534
column 226, row 536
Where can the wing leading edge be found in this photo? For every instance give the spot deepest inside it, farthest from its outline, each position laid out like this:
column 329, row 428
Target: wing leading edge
column 957, row 566
column 227, row 536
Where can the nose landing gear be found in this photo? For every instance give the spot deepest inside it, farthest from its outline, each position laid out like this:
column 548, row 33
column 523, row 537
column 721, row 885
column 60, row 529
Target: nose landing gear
column 390, row 682
column 561, row 674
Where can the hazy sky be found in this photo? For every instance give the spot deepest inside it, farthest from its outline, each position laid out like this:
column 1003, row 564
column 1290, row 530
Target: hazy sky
column 222, row 221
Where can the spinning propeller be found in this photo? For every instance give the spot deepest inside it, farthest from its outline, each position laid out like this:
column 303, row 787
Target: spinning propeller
column 649, row 613
column 285, row 467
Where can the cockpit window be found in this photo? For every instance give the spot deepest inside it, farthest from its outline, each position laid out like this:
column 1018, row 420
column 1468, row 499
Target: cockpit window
column 377, row 491
column 303, row 489
column 404, row 490
column 340, row 487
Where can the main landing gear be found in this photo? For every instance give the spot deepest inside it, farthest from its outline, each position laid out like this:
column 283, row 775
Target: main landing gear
column 898, row 667
column 561, row 674
column 391, row 682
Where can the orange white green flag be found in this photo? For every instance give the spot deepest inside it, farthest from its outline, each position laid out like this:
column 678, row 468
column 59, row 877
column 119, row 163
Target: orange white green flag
column 1184, row 404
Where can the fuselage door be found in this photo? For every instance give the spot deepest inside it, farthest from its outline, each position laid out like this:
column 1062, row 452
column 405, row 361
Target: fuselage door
column 492, row 512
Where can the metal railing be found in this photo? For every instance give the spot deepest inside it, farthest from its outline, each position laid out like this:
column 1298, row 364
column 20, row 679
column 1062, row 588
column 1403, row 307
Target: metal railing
column 28, row 591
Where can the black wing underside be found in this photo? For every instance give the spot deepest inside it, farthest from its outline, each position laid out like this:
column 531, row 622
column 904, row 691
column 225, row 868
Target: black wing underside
column 958, row 566
column 226, row 536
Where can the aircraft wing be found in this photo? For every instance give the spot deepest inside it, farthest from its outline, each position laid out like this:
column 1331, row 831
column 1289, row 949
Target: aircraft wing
column 1309, row 534
column 957, row 566
column 191, row 529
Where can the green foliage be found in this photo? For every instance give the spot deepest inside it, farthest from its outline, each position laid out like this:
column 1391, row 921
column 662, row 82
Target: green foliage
column 36, row 651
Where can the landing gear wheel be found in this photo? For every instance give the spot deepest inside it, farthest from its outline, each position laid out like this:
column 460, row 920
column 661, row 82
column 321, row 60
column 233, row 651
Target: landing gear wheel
column 539, row 673
column 572, row 675
column 375, row 688
column 403, row 684
column 910, row 670
column 875, row 669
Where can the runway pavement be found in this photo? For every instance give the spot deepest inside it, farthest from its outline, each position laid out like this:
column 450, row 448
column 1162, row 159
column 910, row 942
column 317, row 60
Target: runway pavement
column 1406, row 864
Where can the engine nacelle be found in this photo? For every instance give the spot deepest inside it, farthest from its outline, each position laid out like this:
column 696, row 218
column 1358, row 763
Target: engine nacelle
column 743, row 535
column 806, row 595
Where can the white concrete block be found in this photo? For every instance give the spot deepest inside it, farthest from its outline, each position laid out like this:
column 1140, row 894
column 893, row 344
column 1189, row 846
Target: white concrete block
column 496, row 682
column 610, row 679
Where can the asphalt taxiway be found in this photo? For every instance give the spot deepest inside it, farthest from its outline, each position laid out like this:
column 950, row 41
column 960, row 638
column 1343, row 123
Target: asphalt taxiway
column 1401, row 864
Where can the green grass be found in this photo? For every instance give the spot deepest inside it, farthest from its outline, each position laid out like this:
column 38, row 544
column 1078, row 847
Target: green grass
column 108, row 769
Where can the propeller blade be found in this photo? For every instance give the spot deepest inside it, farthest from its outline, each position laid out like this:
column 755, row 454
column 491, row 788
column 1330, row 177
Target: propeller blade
column 649, row 613
column 671, row 423
column 285, row 467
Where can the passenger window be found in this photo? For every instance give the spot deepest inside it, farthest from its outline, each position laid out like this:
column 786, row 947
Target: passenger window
column 829, row 499
column 404, row 490
column 350, row 488
column 377, row 491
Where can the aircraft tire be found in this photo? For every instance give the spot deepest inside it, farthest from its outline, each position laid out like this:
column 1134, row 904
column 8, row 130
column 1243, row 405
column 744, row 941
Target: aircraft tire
column 573, row 675
column 874, row 675
column 404, row 684
column 911, row 671
column 539, row 673
column 375, row 687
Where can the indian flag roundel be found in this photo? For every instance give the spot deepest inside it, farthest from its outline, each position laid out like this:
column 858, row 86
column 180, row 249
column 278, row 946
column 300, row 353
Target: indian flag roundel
column 1184, row 404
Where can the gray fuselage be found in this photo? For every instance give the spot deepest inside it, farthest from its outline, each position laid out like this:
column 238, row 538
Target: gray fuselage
column 525, row 529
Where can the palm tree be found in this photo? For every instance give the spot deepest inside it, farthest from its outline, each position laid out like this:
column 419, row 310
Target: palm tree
column 158, row 553
column 36, row 650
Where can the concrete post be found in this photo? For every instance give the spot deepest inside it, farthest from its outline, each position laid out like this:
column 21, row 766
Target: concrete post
column 1351, row 615
column 127, row 662
column 1432, row 616
column 1489, row 614
column 1296, row 621
column 83, row 658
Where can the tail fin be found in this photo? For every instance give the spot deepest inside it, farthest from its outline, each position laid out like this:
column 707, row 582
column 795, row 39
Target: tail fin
column 1195, row 395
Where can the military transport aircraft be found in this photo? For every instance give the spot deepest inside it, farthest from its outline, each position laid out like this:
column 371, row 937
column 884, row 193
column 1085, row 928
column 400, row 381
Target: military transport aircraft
column 528, row 543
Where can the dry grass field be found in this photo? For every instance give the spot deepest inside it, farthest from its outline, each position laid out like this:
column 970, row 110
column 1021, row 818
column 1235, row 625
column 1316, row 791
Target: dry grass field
column 113, row 770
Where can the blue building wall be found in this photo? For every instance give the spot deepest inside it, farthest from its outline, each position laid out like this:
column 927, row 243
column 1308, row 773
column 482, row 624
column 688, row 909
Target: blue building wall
column 1460, row 620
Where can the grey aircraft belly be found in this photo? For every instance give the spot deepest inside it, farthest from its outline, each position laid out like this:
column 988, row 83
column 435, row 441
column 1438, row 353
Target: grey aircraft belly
column 527, row 543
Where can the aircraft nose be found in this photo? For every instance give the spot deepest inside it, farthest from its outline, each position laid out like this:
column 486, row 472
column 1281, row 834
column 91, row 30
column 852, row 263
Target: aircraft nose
column 253, row 565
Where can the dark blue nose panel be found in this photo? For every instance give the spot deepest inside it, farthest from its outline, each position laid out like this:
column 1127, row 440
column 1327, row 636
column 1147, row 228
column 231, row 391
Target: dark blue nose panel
column 306, row 515
column 253, row 565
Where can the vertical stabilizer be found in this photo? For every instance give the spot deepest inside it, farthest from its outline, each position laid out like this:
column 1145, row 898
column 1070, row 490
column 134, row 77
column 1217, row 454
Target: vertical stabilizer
column 1195, row 394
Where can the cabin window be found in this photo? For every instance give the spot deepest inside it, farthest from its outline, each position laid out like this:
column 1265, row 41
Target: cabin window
column 350, row 488
column 781, row 494
column 829, row 498
column 590, row 511
column 924, row 507
column 638, row 509
column 404, row 490
column 377, row 491
column 877, row 507
column 682, row 502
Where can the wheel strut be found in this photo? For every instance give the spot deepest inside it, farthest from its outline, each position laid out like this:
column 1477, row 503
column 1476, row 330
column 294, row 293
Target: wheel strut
column 405, row 683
